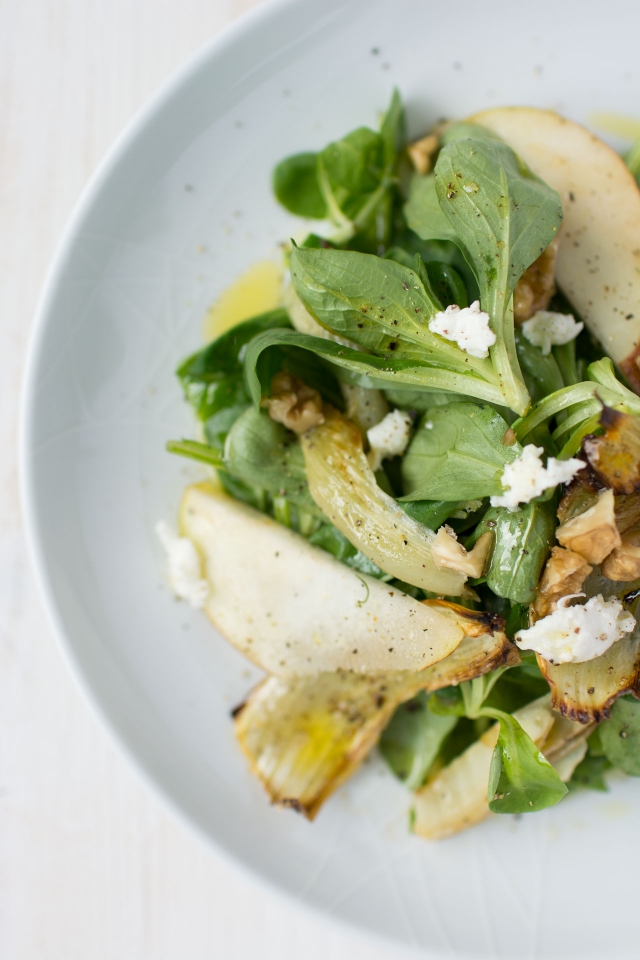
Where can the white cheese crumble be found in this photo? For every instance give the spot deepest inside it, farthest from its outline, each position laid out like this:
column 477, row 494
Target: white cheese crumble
column 389, row 438
column 184, row 566
column 527, row 478
column 468, row 326
column 546, row 329
column 580, row 633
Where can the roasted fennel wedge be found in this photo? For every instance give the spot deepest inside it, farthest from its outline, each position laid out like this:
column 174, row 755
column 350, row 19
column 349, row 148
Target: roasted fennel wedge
column 293, row 609
column 344, row 487
column 456, row 798
column 304, row 736
column 586, row 691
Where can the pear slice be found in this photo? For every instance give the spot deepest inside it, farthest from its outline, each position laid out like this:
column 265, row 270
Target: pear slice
column 598, row 265
column 294, row 609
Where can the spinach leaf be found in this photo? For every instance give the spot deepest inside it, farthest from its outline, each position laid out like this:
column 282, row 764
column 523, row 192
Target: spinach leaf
column 448, row 702
column 432, row 513
column 212, row 378
column 442, row 251
column 363, row 369
column 541, row 374
column 329, row 538
column 295, row 184
column 620, row 736
column 447, row 284
column 217, row 426
column 521, row 544
column 517, row 687
column 262, row 453
column 589, row 774
column 504, row 217
column 254, row 496
column 412, row 740
column 457, row 452
column 521, row 779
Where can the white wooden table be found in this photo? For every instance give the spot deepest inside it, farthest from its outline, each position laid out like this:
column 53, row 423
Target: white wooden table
column 91, row 865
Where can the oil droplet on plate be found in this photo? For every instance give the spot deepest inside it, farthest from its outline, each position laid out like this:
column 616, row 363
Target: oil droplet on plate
column 616, row 123
column 255, row 291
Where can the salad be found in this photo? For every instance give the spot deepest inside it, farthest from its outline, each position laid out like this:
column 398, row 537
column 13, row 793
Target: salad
column 423, row 517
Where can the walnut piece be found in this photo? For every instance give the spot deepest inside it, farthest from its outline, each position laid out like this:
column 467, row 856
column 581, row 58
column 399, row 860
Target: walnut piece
column 623, row 563
column 421, row 152
column 448, row 554
column 564, row 573
column 593, row 534
column 537, row 284
column 294, row 404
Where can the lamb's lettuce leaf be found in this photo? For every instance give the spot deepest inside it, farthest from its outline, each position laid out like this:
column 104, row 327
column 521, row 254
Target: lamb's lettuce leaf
column 521, row 779
column 365, row 369
column 413, row 739
column 522, row 542
column 620, row 736
column 457, row 452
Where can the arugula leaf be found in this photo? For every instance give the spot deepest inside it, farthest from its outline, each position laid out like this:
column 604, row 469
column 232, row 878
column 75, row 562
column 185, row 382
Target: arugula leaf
column 521, row 779
column 264, row 454
column 295, row 184
column 364, row 369
column 413, row 738
column 212, row 377
column 457, row 453
column 521, row 544
column 504, row 217
column 620, row 736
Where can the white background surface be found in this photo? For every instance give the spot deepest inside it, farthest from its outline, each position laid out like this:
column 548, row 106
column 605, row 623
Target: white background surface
column 91, row 865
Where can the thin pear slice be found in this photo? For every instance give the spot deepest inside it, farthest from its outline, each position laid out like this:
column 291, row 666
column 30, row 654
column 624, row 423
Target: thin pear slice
column 303, row 737
column 598, row 265
column 294, row 609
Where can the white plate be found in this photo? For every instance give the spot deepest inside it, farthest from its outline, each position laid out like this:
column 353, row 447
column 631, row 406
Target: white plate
column 181, row 207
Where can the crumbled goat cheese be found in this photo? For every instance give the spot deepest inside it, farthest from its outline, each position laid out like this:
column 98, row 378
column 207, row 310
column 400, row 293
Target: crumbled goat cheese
column 527, row 478
column 389, row 438
column 580, row 633
column 468, row 326
column 545, row 330
column 184, row 566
